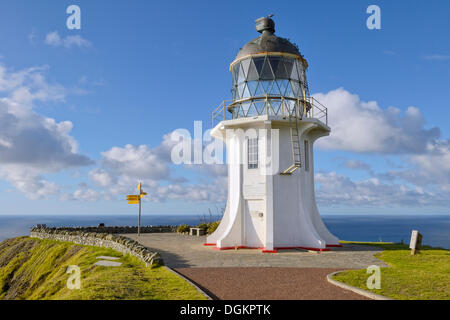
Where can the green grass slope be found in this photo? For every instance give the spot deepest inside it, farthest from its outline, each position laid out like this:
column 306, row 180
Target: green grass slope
column 425, row 276
column 35, row 269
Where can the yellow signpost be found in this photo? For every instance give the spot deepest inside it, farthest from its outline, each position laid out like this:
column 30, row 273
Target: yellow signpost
column 136, row 199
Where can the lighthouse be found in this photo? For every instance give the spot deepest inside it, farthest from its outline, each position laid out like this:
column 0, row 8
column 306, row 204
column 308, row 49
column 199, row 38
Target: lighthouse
column 269, row 129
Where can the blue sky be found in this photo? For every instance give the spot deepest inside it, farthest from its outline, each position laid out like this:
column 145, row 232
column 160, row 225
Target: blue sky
column 137, row 70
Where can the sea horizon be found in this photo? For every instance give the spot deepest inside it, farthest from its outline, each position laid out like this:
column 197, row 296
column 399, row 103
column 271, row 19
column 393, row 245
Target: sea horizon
column 351, row 227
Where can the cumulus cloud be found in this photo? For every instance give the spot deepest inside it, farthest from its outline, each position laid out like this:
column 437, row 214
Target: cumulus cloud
column 122, row 167
column 138, row 161
column 429, row 169
column 334, row 189
column 360, row 126
column 32, row 145
column 54, row 39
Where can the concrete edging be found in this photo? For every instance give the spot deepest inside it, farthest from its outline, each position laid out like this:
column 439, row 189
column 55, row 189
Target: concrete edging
column 190, row 282
column 362, row 292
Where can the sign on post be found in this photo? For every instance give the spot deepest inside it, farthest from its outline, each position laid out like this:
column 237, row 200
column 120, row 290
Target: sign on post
column 136, row 199
column 416, row 242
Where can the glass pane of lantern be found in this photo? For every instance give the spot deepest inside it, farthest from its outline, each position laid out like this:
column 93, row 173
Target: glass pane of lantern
column 259, row 90
column 266, row 73
column 294, row 74
column 245, row 107
column 282, row 84
column 241, row 112
column 245, row 64
column 275, row 91
column 241, row 77
column 274, row 63
column 236, row 72
column 259, row 63
column 252, row 111
column 267, row 86
column 233, row 93
column 260, row 107
column 295, row 88
column 252, row 73
column 288, row 63
column 289, row 92
column 240, row 88
column 290, row 105
column 252, row 87
column 281, row 71
column 246, row 93
column 276, row 105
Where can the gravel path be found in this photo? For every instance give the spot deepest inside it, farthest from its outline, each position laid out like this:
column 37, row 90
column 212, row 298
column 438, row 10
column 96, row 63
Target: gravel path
column 267, row 283
column 180, row 251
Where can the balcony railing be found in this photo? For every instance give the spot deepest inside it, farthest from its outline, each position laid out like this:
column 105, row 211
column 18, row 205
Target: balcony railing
column 311, row 108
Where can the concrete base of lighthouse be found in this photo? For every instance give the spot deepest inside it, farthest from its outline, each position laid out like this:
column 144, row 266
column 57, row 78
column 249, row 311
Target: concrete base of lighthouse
column 266, row 210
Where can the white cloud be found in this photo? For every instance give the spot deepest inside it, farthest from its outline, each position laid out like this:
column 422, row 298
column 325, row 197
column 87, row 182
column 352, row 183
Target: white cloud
column 334, row 189
column 54, row 39
column 122, row 167
column 357, row 165
column 429, row 169
column 360, row 126
column 438, row 57
column 137, row 161
column 32, row 145
column 86, row 195
column 101, row 177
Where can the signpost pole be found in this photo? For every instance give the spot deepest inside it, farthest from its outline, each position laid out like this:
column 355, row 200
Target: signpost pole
column 140, row 204
column 137, row 199
column 139, row 223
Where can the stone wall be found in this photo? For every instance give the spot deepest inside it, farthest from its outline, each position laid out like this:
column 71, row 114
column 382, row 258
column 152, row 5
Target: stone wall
column 99, row 239
column 116, row 230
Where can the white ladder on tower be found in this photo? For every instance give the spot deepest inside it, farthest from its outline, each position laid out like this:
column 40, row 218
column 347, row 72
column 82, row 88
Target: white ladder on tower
column 295, row 143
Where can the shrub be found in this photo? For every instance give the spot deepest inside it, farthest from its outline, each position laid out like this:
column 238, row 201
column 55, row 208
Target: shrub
column 203, row 226
column 212, row 227
column 183, row 228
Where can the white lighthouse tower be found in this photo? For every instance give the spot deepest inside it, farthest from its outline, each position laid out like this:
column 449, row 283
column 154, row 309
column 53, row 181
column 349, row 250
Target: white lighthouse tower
column 269, row 128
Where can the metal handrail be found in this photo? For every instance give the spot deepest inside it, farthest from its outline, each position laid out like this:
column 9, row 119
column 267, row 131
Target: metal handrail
column 313, row 109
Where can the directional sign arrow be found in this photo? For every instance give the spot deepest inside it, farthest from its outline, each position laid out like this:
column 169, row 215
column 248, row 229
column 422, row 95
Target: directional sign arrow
column 133, row 202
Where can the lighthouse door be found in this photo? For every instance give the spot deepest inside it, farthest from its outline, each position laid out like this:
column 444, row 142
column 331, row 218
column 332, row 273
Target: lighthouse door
column 254, row 223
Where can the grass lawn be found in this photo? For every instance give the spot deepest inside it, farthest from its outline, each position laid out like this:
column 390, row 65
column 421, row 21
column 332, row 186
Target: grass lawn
column 36, row 269
column 425, row 276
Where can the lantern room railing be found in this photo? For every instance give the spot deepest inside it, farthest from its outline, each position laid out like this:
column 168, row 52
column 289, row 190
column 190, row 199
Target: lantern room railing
column 312, row 109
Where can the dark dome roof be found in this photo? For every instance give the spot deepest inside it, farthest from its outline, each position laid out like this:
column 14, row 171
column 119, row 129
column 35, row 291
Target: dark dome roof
column 267, row 42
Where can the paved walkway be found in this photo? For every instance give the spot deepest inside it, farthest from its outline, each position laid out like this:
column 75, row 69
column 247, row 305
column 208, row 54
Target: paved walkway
column 247, row 274
column 182, row 251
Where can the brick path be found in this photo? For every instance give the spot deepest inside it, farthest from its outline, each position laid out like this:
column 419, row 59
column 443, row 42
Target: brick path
column 268, row 283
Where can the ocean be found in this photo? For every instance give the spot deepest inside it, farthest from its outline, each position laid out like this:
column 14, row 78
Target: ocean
column 394, row 228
